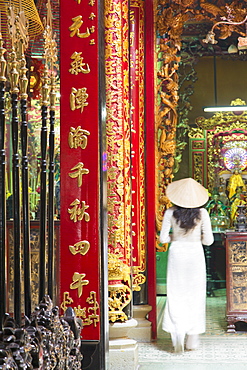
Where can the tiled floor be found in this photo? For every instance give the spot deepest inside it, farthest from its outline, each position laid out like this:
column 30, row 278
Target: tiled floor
column 218, row 350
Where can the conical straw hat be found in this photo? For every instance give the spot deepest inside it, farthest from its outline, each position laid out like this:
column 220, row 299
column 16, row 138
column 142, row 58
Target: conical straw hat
column 187, row 193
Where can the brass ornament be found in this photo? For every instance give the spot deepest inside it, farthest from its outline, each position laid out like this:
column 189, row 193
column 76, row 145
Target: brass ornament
column 45, row 86
column 23, row 38
column 3, row 63
column 29, row 10
column 50, row 56
column 14, row 75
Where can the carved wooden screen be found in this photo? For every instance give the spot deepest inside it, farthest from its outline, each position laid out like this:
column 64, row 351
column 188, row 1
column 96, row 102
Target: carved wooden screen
column 198, row 156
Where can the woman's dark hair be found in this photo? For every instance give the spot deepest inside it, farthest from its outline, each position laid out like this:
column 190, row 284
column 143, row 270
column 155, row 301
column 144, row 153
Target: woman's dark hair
column 187, row 217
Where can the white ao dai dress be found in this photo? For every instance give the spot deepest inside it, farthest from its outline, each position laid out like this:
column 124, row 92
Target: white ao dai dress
column 186, row 276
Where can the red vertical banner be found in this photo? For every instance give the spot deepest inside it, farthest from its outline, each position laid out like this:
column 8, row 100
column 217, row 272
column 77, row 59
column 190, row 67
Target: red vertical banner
column 80, row 244
column 137, row 141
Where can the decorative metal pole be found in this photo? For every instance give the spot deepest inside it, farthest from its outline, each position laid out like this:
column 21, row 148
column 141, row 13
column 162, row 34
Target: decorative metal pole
column 25, row 177
column 43, row 209
column 2, row 186
column 50, row 56
column 14, row 79
column 51, row 189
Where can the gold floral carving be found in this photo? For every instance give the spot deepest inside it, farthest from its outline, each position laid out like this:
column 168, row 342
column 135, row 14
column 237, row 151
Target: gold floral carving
column 198, row 144
column 222, row 119
column 118, row 134
column 166, row 115
column 138, row 280
column 137, row 77
column 196, row 133
column 198, row 148
column 198, row 166
column 238, row 272
column 120, row 293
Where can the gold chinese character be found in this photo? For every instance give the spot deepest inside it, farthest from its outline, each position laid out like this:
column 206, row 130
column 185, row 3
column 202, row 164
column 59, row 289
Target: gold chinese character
column 89, row 314
column 79, row 171
column 78, row 282
column 92, row 42
column 77, row 213
column 93, row 317
column 92, row 16
column 91, row 2
column 92, row 29
column 80, row 312
column 78, row 138
column 81, row 247
column 67, row 300
column 77, row 64
column 78, row 1
column 74, row 28
column 78, row 98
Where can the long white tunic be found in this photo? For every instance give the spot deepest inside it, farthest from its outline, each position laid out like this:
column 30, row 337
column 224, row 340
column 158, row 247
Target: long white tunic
column 186, row 274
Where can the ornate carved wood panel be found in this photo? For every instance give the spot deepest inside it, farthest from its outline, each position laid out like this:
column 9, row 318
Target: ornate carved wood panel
column 198, row 156
column 236, row 278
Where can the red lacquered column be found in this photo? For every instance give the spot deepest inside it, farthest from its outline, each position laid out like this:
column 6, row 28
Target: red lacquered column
column 150, row 159
column 138, row 150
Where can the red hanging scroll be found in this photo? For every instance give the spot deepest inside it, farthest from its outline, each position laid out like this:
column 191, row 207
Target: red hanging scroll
column 79, row 253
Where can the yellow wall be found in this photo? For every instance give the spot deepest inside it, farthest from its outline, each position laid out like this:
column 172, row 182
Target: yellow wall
column 231, row 84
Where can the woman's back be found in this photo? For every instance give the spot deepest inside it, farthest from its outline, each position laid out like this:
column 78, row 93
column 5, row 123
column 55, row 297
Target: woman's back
column 200, row 233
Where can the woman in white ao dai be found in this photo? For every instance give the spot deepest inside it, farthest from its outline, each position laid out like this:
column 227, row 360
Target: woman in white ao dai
column 187, row 229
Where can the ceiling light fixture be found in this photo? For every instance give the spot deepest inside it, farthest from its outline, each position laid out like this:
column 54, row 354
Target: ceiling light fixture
column 237, row 108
